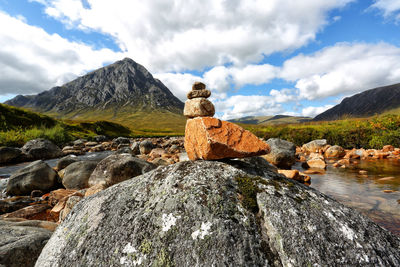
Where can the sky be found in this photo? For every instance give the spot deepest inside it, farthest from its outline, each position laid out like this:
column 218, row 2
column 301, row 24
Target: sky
column 258, row 57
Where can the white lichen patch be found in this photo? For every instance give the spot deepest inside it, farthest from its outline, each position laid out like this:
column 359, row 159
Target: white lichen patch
column 203, row 231
column 133, row 256
column 347, row 232
column 168, row 220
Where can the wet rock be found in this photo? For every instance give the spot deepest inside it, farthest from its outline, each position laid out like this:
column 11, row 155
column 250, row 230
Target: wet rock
column 35, row 176
column 160, row 162
column 335, row 152
column 76, row 175
column 145, row 147
column 15, row 203
column 198, row 107
column 100, row 138
column 135, row 147
column 65, row 161
column 290, row 174
column 207, row 213
column 210, row 138
column 33, row 212
column 157, row 152
column 20, row 245
column 9, row 154
column 125, row 150
column 314, row 146
column 36, row 193
column 387, row 148
column 316, row 161
column 282, row 153
column 91, row 144
column 117, row 168
column 41, row 149
column 121, row 140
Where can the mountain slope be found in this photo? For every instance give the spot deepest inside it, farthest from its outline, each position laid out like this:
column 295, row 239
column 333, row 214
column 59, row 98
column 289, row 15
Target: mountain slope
column 124, row 92
column 365, row 104
column 270, row 120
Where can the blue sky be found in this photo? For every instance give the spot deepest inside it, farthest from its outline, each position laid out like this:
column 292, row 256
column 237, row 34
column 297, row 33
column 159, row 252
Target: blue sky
column 257, row 57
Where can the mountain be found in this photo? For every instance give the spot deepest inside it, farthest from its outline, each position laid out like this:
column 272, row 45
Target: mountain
column 124, row 92
column 365, row 104
column 270, row 120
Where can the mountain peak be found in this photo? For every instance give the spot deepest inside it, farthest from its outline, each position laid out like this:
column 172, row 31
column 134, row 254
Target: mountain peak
column 123, row 84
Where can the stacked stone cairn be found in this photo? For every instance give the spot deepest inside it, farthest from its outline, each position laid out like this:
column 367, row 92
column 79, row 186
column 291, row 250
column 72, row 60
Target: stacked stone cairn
column 209, row 138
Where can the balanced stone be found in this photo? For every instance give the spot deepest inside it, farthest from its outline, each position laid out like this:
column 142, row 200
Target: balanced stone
column 210, row 138
column 198, row 86
column 198, row 107
column 199, row 93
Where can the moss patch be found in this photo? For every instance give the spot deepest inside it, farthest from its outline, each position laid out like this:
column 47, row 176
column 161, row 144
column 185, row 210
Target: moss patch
column 248, row 189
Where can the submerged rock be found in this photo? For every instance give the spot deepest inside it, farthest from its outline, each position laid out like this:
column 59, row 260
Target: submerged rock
column 210, row 213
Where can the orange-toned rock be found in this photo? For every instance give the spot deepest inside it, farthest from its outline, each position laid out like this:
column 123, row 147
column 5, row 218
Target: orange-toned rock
column 291, row 174
column 387, row 148
column 210, row 138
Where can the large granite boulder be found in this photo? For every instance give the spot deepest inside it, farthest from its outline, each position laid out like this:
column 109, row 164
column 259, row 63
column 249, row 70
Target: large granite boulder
column 282, row 153
column 41, row 149
column 9, row 154
column 35, row 176
column 210, row 213
column 21, row 242
column 76, row 175
column 117, row 168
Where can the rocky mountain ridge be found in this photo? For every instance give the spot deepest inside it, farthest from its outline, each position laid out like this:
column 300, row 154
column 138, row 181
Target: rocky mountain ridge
column 365, row 104
column 123, row 85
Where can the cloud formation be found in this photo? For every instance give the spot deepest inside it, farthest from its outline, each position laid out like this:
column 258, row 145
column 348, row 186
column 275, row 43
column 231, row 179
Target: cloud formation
column 177, row 35
column 390, row 8
column 31, row 60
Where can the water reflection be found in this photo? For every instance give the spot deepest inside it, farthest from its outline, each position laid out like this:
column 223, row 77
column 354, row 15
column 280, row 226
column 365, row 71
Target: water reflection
column 365, row 192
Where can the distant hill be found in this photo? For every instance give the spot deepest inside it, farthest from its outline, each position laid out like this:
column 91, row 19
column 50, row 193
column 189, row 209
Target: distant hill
column 368, row 103
column 123, row 92
column 270, row 120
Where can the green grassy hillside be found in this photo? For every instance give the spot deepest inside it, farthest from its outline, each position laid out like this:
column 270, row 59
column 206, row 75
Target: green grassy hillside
column 270, row 120
column 373, row 132
column 17, row 126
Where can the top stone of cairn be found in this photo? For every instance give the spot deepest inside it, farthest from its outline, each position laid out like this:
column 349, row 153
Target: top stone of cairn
column 198, row 86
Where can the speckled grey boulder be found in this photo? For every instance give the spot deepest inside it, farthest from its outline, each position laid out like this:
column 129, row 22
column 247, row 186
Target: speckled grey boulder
column 210, row 213
column 41, row 149
column 282, row 153
column 35, row 176
column 20, row 245
column 76, row 175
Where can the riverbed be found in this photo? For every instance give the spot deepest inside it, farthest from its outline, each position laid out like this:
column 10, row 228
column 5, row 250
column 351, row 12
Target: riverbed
column 364, row 193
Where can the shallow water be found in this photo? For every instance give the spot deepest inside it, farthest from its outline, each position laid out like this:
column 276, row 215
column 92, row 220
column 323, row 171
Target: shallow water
column 365, row 192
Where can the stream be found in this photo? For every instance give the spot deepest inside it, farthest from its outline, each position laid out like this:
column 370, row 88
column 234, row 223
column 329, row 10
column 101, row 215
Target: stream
column 364, row 193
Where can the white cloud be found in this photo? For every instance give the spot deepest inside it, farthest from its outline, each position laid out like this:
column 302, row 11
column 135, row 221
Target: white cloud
column 177, row 35
column 238, row 106
column 343, row 69
column 32, row 60
column 388, row 7
column 178, row 83
column 314, row 111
